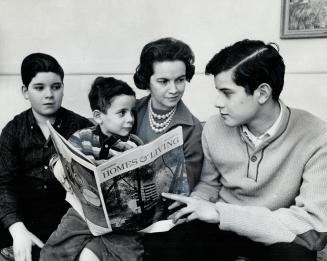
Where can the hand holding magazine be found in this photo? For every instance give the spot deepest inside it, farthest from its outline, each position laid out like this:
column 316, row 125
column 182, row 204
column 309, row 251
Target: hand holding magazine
column 124, row 192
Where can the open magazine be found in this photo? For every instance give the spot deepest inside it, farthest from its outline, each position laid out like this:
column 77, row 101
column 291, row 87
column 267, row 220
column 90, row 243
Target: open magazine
column 124, row 193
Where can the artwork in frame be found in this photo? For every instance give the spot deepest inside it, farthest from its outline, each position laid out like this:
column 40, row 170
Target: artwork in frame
column 303, row 19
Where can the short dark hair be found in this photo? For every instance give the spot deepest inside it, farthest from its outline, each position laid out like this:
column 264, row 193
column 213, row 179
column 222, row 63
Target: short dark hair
column 164, row 49
column 104, row 89
column 39, row 62
column 253, row 63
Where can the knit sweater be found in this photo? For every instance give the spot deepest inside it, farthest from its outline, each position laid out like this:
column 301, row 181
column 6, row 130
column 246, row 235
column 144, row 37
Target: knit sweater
column 276, row 192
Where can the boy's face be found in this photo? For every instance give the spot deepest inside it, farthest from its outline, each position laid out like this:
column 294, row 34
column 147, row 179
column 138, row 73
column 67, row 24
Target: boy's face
column 235, row 105
column 45, row 93
column 119, row 118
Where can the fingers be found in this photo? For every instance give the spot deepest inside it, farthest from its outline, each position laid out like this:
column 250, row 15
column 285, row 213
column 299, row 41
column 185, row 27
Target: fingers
column 23, row 253
column 175, row 205
column 37, row 241
column 180, row 198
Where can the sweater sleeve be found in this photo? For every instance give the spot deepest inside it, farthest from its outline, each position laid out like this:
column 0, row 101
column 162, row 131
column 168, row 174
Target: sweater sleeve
column 304, row 223
column 9, row 163
column 208, row 186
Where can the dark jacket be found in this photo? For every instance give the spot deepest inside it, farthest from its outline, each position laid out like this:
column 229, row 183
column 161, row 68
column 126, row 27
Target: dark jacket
column 29, row 191
column 192, row 130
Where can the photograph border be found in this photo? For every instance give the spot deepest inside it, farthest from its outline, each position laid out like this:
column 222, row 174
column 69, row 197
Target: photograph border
column 285, row 33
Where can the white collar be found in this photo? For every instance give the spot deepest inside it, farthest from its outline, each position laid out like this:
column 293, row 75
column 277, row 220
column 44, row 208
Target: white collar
column 269, row 133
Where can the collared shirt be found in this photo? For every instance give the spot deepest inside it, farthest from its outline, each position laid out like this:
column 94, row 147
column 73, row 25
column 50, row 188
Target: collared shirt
column 28, row 189
column 269, row 133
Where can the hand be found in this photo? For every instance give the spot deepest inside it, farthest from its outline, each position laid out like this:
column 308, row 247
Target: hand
column 23, row 240
column 59, row 173
column 195, row 209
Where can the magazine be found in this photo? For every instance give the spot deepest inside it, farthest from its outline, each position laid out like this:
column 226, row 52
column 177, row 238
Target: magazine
column 124, row 192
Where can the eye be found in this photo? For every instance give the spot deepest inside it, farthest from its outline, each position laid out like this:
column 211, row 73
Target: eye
column 163, row 81
column 122, row 113
column 227, row 93
column 56, row 86
column 181, row 80
column 38, row 87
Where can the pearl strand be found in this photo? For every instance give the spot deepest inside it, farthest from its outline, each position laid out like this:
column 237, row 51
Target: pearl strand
column 156, row 126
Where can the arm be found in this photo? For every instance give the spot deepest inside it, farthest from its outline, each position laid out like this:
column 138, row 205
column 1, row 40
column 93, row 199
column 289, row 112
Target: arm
column 193, row 152
column 209, row 185
column 9, row 205
column 303, row 223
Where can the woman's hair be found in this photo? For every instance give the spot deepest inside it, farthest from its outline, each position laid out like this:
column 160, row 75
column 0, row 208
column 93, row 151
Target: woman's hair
column 104, row 89
column 164, row 49
column 39, row 62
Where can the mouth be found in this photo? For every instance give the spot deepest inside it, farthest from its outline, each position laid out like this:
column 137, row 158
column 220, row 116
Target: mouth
column 173, row 98
column 48, row 104
column 223, row 115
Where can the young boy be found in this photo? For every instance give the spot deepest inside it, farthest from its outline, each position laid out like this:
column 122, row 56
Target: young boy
column 264, row 178
column 112, row 102
column 31, row 200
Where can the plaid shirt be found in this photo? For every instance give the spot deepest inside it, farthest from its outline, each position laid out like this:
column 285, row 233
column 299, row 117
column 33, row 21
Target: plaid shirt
column 28, row 190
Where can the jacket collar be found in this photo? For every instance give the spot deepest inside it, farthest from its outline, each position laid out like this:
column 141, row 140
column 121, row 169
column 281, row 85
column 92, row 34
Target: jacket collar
column 182, row 115
column 57, row 123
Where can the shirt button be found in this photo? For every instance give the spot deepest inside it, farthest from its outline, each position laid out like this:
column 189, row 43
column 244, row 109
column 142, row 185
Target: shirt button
column 106, row 146
column 45, row 167
column 253, row 158
column 45, row 186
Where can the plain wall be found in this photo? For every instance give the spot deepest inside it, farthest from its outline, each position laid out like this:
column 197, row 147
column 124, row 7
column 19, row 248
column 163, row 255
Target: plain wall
column 105, row 37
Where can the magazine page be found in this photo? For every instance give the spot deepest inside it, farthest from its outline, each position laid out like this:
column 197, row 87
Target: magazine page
column 131, row 184
column 79, row 172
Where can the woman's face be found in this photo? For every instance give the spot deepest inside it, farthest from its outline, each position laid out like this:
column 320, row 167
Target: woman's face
column 167, row 84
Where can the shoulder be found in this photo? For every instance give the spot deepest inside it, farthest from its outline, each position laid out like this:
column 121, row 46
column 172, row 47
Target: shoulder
column 142, row 103
column 84, row 134
column 19, row 122
column 215, row 127
column 305, row 124
column 71, row 116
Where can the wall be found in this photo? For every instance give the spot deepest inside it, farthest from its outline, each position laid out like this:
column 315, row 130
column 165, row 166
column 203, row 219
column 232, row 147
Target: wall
column 105, row 37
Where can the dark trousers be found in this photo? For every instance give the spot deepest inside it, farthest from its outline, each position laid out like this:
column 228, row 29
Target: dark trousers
column 201, row 241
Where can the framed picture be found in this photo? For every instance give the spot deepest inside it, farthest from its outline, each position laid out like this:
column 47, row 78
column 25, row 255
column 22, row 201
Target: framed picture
column 303, row 19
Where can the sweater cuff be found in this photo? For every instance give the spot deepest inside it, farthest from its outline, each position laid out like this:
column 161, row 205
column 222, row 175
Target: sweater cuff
column 255, row 223
column 10, row 219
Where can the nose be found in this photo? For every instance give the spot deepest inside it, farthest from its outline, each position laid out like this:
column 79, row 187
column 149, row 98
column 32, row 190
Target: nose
column 48, row 92
column 219, row 101
column 130, row 117
column 173, row 87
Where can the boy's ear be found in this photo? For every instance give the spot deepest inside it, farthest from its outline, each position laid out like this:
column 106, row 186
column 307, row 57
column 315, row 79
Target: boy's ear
column 25, row 92
column 97, row 116
column 263, row 92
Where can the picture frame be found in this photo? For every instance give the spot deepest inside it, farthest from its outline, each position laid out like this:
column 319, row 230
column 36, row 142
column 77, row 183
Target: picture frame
column 303, row 19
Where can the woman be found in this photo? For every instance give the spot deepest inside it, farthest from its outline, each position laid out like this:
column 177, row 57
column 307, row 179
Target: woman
column 165, row 66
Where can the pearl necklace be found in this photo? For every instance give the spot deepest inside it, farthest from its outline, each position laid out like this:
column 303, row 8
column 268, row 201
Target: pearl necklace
column 158, row 127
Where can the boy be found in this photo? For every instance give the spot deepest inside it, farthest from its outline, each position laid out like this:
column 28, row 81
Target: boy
column 31, row 200
column 264, row 178
column 112, row 102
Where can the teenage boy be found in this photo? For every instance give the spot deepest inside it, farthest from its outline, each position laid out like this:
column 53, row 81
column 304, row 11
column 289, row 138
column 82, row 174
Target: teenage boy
column 262, row 192
column 31, row 200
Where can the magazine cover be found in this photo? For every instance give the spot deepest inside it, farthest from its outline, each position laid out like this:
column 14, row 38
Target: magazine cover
column 124, row 193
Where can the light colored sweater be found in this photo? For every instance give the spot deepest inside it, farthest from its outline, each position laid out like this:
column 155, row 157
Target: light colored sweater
column 276, row 192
